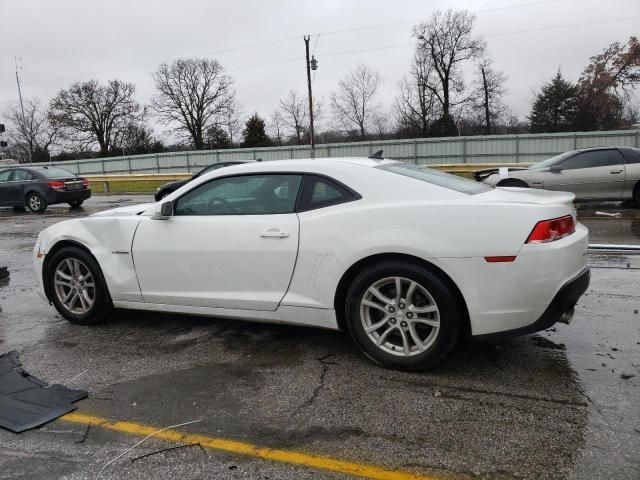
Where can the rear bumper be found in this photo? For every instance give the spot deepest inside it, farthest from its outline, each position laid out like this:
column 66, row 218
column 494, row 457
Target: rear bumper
column 559, row 310
column 54, row 196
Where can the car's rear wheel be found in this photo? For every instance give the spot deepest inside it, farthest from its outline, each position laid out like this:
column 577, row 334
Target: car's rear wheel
column 77, row 287
column 36, row 202
column 76, row 203
column 402, row 316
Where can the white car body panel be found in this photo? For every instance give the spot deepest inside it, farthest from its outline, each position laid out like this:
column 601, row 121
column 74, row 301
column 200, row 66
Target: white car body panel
column 221, row 266
column 216, row 261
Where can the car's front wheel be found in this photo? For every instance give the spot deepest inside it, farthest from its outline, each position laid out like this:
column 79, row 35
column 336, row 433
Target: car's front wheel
column 402, row 315
column 36, row 202
column 77, row 287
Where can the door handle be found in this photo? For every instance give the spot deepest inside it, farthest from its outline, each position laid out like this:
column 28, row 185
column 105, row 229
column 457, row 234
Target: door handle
column 274, row 233
column 615, row 171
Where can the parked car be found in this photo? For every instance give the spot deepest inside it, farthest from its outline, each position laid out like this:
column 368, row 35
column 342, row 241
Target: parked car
column 602, row 173
column 170, row 187
column 38, row 187
column 396, row 255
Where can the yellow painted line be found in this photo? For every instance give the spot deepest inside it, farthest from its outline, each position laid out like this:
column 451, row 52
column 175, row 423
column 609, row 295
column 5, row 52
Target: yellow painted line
column 249, row 449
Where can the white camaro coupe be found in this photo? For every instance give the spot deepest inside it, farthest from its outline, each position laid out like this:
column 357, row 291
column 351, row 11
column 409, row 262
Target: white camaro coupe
column 406, row 259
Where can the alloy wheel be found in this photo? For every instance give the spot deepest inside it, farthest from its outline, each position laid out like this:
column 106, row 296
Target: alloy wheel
column 74, row 286
column 400, row 316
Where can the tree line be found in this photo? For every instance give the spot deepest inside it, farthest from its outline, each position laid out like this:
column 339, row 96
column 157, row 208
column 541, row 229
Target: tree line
column 195, row 100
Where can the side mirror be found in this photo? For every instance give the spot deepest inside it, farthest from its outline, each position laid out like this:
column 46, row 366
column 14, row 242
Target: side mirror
column 166, row 211
column 555, row 168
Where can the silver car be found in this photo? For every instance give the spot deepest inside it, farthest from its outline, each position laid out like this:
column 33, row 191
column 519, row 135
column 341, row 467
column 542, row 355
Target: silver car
column 604, row 173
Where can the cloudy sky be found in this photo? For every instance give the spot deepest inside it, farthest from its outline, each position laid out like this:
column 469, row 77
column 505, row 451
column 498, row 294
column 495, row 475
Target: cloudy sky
column 260, row 42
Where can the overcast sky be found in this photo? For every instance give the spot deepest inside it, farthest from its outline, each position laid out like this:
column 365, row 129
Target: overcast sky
column 63, row 41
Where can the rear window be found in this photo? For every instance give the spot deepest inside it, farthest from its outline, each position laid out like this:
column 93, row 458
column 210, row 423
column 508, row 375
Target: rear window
column 53, row 172
column 436, row 177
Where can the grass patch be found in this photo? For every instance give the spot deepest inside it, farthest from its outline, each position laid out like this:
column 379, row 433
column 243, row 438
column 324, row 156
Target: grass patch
column 128, row 187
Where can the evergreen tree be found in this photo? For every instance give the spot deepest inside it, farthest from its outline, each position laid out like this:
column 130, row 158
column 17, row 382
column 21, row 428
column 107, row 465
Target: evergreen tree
column 254, row 134
column 554, row 107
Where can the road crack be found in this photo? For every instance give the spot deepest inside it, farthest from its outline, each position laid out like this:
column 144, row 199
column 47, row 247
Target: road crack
column 326, row 363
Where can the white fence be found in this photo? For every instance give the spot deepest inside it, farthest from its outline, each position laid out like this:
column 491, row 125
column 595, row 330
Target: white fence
column 423, row 151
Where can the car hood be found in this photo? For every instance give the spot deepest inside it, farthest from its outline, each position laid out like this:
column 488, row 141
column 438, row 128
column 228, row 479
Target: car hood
column 175, row 184
column 125, row 211
column 480, row 175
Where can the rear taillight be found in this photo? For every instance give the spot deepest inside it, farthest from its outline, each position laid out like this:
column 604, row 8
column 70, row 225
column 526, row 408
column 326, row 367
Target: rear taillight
column 85, row 182
column 56, row 184
column 551, row 230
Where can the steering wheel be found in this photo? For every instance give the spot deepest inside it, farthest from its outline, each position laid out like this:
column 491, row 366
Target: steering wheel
column 214, row 204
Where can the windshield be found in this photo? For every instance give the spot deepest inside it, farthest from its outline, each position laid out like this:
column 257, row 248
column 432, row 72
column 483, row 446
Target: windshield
column 53, row 172
column 550, row 161
column 436, row 177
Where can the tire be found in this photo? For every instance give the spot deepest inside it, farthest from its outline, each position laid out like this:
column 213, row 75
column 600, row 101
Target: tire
column 36, row 202
column 92, row 304
column 429, row 292
column 76, row 203
column 636, row 195
column 513, row 183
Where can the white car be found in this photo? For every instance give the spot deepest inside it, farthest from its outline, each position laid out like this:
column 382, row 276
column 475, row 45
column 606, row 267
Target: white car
column 406, row 259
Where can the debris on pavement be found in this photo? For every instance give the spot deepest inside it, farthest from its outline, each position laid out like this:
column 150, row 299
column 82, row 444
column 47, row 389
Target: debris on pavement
column 626, row 376
column 608, row 214
column 27, row 402
column 84, row 437
column 167, row 450
column 4, row 272
column 141, row 442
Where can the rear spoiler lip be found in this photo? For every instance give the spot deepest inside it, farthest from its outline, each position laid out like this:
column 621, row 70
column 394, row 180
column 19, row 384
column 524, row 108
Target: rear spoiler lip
column 480, row 175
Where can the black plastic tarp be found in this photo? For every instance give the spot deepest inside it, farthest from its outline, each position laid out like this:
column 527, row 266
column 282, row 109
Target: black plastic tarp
column 27, row 402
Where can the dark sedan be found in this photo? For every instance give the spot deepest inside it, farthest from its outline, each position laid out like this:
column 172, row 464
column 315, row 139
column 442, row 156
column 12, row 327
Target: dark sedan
column 38, row 187
column 167, row 188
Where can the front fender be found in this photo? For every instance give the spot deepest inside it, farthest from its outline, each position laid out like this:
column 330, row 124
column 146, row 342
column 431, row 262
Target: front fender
column 109, row 240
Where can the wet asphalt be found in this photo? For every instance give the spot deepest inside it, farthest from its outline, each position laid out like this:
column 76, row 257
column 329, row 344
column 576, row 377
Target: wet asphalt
column 564, row 403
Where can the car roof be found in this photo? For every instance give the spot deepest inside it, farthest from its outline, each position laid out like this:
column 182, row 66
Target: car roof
column 595, row 149
column 304, row 163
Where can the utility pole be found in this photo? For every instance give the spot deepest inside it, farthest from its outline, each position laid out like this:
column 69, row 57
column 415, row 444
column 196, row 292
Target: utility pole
column 311, row 65
column 24, row 121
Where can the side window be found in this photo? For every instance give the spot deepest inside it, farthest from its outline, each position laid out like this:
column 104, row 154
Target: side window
column 242, row 195
column 632, row 155
column 596, row 158
column 21, row 176
column 320, row 192
column 4, row 175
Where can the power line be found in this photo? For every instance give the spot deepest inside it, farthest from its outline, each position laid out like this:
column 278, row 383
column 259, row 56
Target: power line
column 282, row 40
column 566, row 25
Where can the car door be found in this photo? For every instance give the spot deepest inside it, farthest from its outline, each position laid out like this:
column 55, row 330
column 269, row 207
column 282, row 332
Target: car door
column 231, row 243
column 17, row 186
column 591, row 175
column 5, row 187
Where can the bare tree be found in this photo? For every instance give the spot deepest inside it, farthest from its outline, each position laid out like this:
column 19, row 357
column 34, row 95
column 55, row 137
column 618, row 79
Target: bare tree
column 231, row 120
column 90, row 114
column 137, row 138
column 488, row 93
column 449, row 41
column 380, row 124
column 416, row 106
column 294, row 111
column 193, row 94
column 353, row 104
column 30, row 132
column 276, row 127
